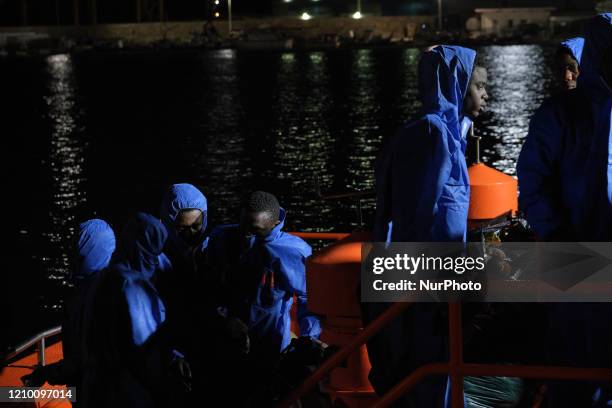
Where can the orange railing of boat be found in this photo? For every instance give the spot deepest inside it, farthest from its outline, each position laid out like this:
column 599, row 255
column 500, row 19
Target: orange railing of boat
column 456, row 369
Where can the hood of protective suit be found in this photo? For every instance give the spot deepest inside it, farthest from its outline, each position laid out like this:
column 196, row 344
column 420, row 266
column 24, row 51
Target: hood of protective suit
column 95, row 246
column 140, row 246
column 182, row 197
column 597, row 39
column 444, row 76
column 575, row 47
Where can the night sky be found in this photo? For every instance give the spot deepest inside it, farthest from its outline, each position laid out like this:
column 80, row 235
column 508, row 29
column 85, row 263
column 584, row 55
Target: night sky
column 54, row 11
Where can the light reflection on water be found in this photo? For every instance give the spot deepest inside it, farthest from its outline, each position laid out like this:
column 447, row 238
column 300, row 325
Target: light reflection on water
column 302, row 141
column 217, row 146
column 519, row 79
column 286, row 122
column 66, row 160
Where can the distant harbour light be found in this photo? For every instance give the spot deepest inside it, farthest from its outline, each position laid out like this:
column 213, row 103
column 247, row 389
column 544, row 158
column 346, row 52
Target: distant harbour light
column 217, row 14
column 357, row 15
column 287, row 1
column 305, row 16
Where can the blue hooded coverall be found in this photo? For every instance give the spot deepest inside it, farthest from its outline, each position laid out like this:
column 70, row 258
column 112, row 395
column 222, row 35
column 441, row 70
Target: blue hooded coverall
column 182, row 282
column 260, row 276
column 127, row 355
column 564, row 169
column 181, row 197
column 564, row 172
column 422, row 184
column 95, row 246
column 422, row 189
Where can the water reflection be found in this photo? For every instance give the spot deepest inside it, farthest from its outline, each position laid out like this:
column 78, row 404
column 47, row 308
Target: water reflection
column 66, row 165
column 303, row 139
column 519, row 79
column 280, row 121
column 364, row 134
column 217, row 146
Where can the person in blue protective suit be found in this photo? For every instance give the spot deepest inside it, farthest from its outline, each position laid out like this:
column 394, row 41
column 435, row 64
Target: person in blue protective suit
column 565, row 176
column 422, row 184
column 128, row 361
column 422, row 190
column 95, row 246
column 208, row 339
column 184, row 213
column 260, row 268
column 563, row 166
column 567, row 63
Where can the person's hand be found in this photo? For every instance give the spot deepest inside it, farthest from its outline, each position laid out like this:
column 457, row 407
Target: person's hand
column 36, row 378
column 181, row 372
column 235, row 338
column 499, row 261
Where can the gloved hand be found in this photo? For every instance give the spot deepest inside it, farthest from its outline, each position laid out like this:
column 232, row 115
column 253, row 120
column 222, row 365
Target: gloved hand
column 180, row 372
column 235, row 338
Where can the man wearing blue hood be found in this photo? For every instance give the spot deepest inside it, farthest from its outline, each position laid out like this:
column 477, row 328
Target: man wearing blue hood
column 261, row 268
column 567, row 62
column 565, row 178
column 127, row 356
column 184, row 285
column 95, row 246
column 422, row 184
column 422, row 190
column 184, row 214
column 564, row 171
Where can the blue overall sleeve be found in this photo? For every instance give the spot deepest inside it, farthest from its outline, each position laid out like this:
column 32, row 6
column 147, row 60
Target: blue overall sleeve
column 425, row 175
column 440, row 200
column 411, row 176
column 296, row 280
column 145, row 311
column 538, row 179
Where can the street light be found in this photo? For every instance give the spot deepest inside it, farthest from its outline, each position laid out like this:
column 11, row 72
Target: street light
column 305, row 16
column 229, row 16
column 357, row 15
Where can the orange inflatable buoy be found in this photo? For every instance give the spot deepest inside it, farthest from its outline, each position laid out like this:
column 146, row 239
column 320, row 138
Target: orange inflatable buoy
column 333, row 276
column 492, row 193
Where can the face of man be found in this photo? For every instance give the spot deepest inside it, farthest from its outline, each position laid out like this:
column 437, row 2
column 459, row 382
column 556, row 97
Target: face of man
column 476, row 98
column 188, row 226
column 567, row 71
column 258, row 224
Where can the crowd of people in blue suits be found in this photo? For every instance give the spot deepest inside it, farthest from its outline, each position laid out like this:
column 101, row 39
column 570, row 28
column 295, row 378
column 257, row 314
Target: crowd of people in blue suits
column 152, row 304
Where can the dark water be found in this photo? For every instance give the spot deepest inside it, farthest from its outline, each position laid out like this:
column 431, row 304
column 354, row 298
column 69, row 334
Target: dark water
column 103, row 135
